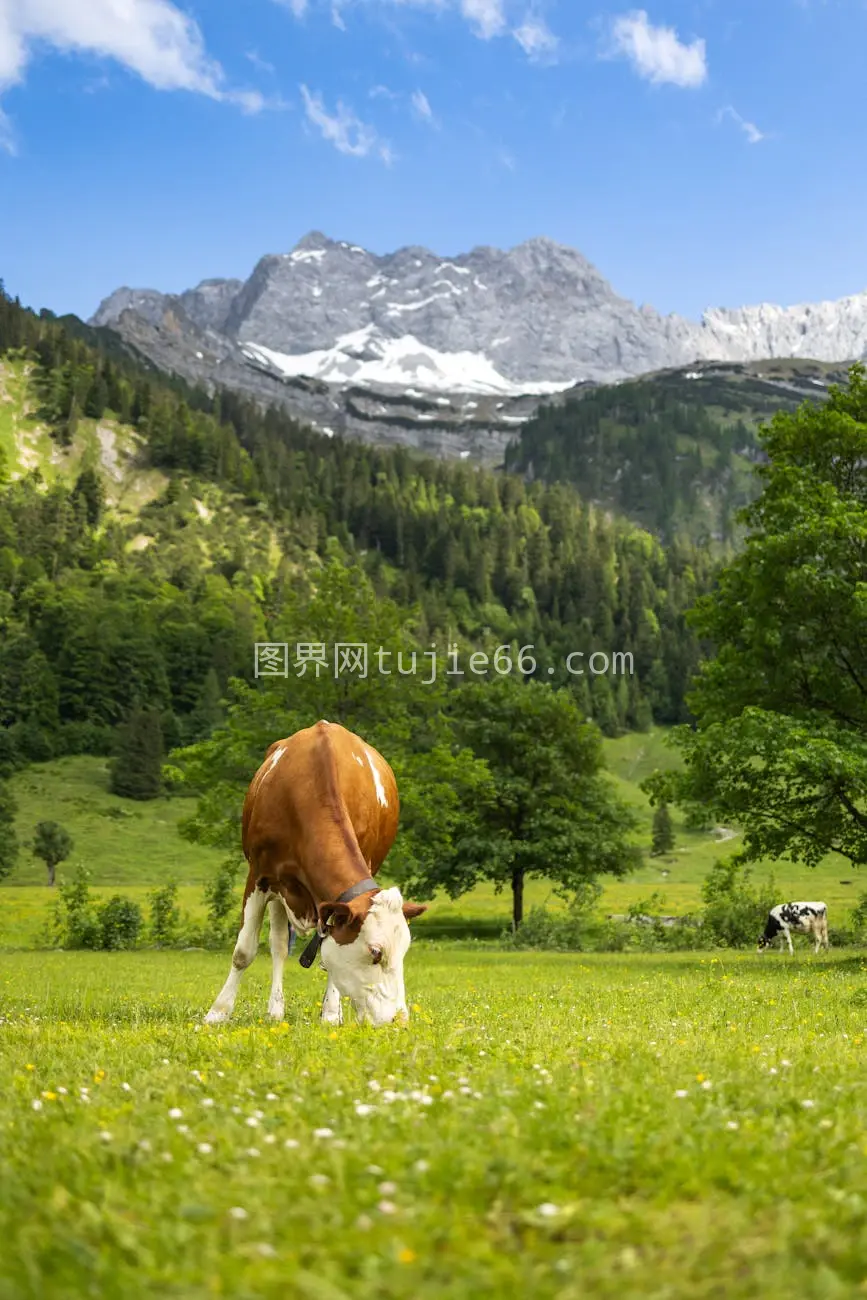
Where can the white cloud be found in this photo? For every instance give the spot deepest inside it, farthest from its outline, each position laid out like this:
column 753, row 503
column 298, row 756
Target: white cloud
column 262, row 64
column 421, row 107
column 487, row 16
column 535, row 38
column 506, row 160
column 344, row 130
column 750, row 130
column 152, row 38
column 656, row 53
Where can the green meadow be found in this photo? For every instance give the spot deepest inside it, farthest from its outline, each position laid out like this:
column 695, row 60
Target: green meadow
column 547, row 1125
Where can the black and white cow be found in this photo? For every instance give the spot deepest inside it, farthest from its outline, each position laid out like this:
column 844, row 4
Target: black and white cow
column 803, row 918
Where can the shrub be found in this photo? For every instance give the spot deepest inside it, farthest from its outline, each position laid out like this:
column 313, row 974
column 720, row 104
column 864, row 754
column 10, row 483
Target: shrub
column 79, row 923
column 222, row 901
column 564, row 931
column 735, row 911
column 120, row 923
column 165, row 916
column 76, row 923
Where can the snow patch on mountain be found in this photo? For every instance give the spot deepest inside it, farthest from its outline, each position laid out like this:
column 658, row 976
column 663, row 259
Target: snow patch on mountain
column 364, row 357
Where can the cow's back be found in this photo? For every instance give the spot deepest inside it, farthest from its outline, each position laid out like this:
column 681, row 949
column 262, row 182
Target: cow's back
column 319, row 792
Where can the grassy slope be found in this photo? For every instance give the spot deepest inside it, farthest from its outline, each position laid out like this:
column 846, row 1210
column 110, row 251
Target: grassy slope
column 106, row 444
column 131, row 847
column 557, row 1127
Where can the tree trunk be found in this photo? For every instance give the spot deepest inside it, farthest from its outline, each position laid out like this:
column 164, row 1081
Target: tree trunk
column 51, row 869
column 517, row 897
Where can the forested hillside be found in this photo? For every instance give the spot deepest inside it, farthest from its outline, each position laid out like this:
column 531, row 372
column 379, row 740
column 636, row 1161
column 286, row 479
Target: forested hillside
column 151, row 534
column 673, row 451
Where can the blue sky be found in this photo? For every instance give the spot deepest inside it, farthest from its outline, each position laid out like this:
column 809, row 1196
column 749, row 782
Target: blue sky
column 700, row 154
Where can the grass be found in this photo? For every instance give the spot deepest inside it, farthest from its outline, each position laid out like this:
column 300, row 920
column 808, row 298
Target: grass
column 131, row 847
column 123, row 842
column 546, row 1125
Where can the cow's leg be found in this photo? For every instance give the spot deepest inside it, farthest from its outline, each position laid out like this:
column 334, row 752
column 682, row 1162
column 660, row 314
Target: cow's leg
column 787, row 932
column 279, row 952
column 332, row 1007
column 245, row 950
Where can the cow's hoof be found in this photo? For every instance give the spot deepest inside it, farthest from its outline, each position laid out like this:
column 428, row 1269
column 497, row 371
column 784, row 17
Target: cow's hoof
column 331, row 1020
column 216, row 1017
column 276, row 1010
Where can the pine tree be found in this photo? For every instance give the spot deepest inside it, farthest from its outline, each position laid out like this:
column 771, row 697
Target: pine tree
column 88, row 486
column 663, row 831
column 136, row 771
column 208, row 712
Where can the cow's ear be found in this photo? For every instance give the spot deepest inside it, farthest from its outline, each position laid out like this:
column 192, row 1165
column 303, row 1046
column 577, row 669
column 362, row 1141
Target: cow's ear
column 411, row 910
column 339, row 913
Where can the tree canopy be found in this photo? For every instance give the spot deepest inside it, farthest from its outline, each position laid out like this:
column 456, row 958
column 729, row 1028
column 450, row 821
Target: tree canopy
column 549, row 809
column 780, row 742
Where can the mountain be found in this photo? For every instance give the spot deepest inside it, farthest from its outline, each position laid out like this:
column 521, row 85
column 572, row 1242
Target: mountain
column 674, row 451
column 447, row 354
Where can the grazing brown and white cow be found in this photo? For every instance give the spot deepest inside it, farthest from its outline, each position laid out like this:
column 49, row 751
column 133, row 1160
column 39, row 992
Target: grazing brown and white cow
column 319, row 818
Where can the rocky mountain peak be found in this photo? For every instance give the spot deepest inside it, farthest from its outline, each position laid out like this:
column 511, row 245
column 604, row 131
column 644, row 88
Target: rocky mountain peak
column 538, row 315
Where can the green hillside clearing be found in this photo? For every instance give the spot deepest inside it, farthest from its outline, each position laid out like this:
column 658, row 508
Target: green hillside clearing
column 131, row 847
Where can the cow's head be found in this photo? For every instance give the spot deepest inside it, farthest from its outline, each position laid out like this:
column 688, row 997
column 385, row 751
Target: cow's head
column 366, row 942
column 771, row 930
